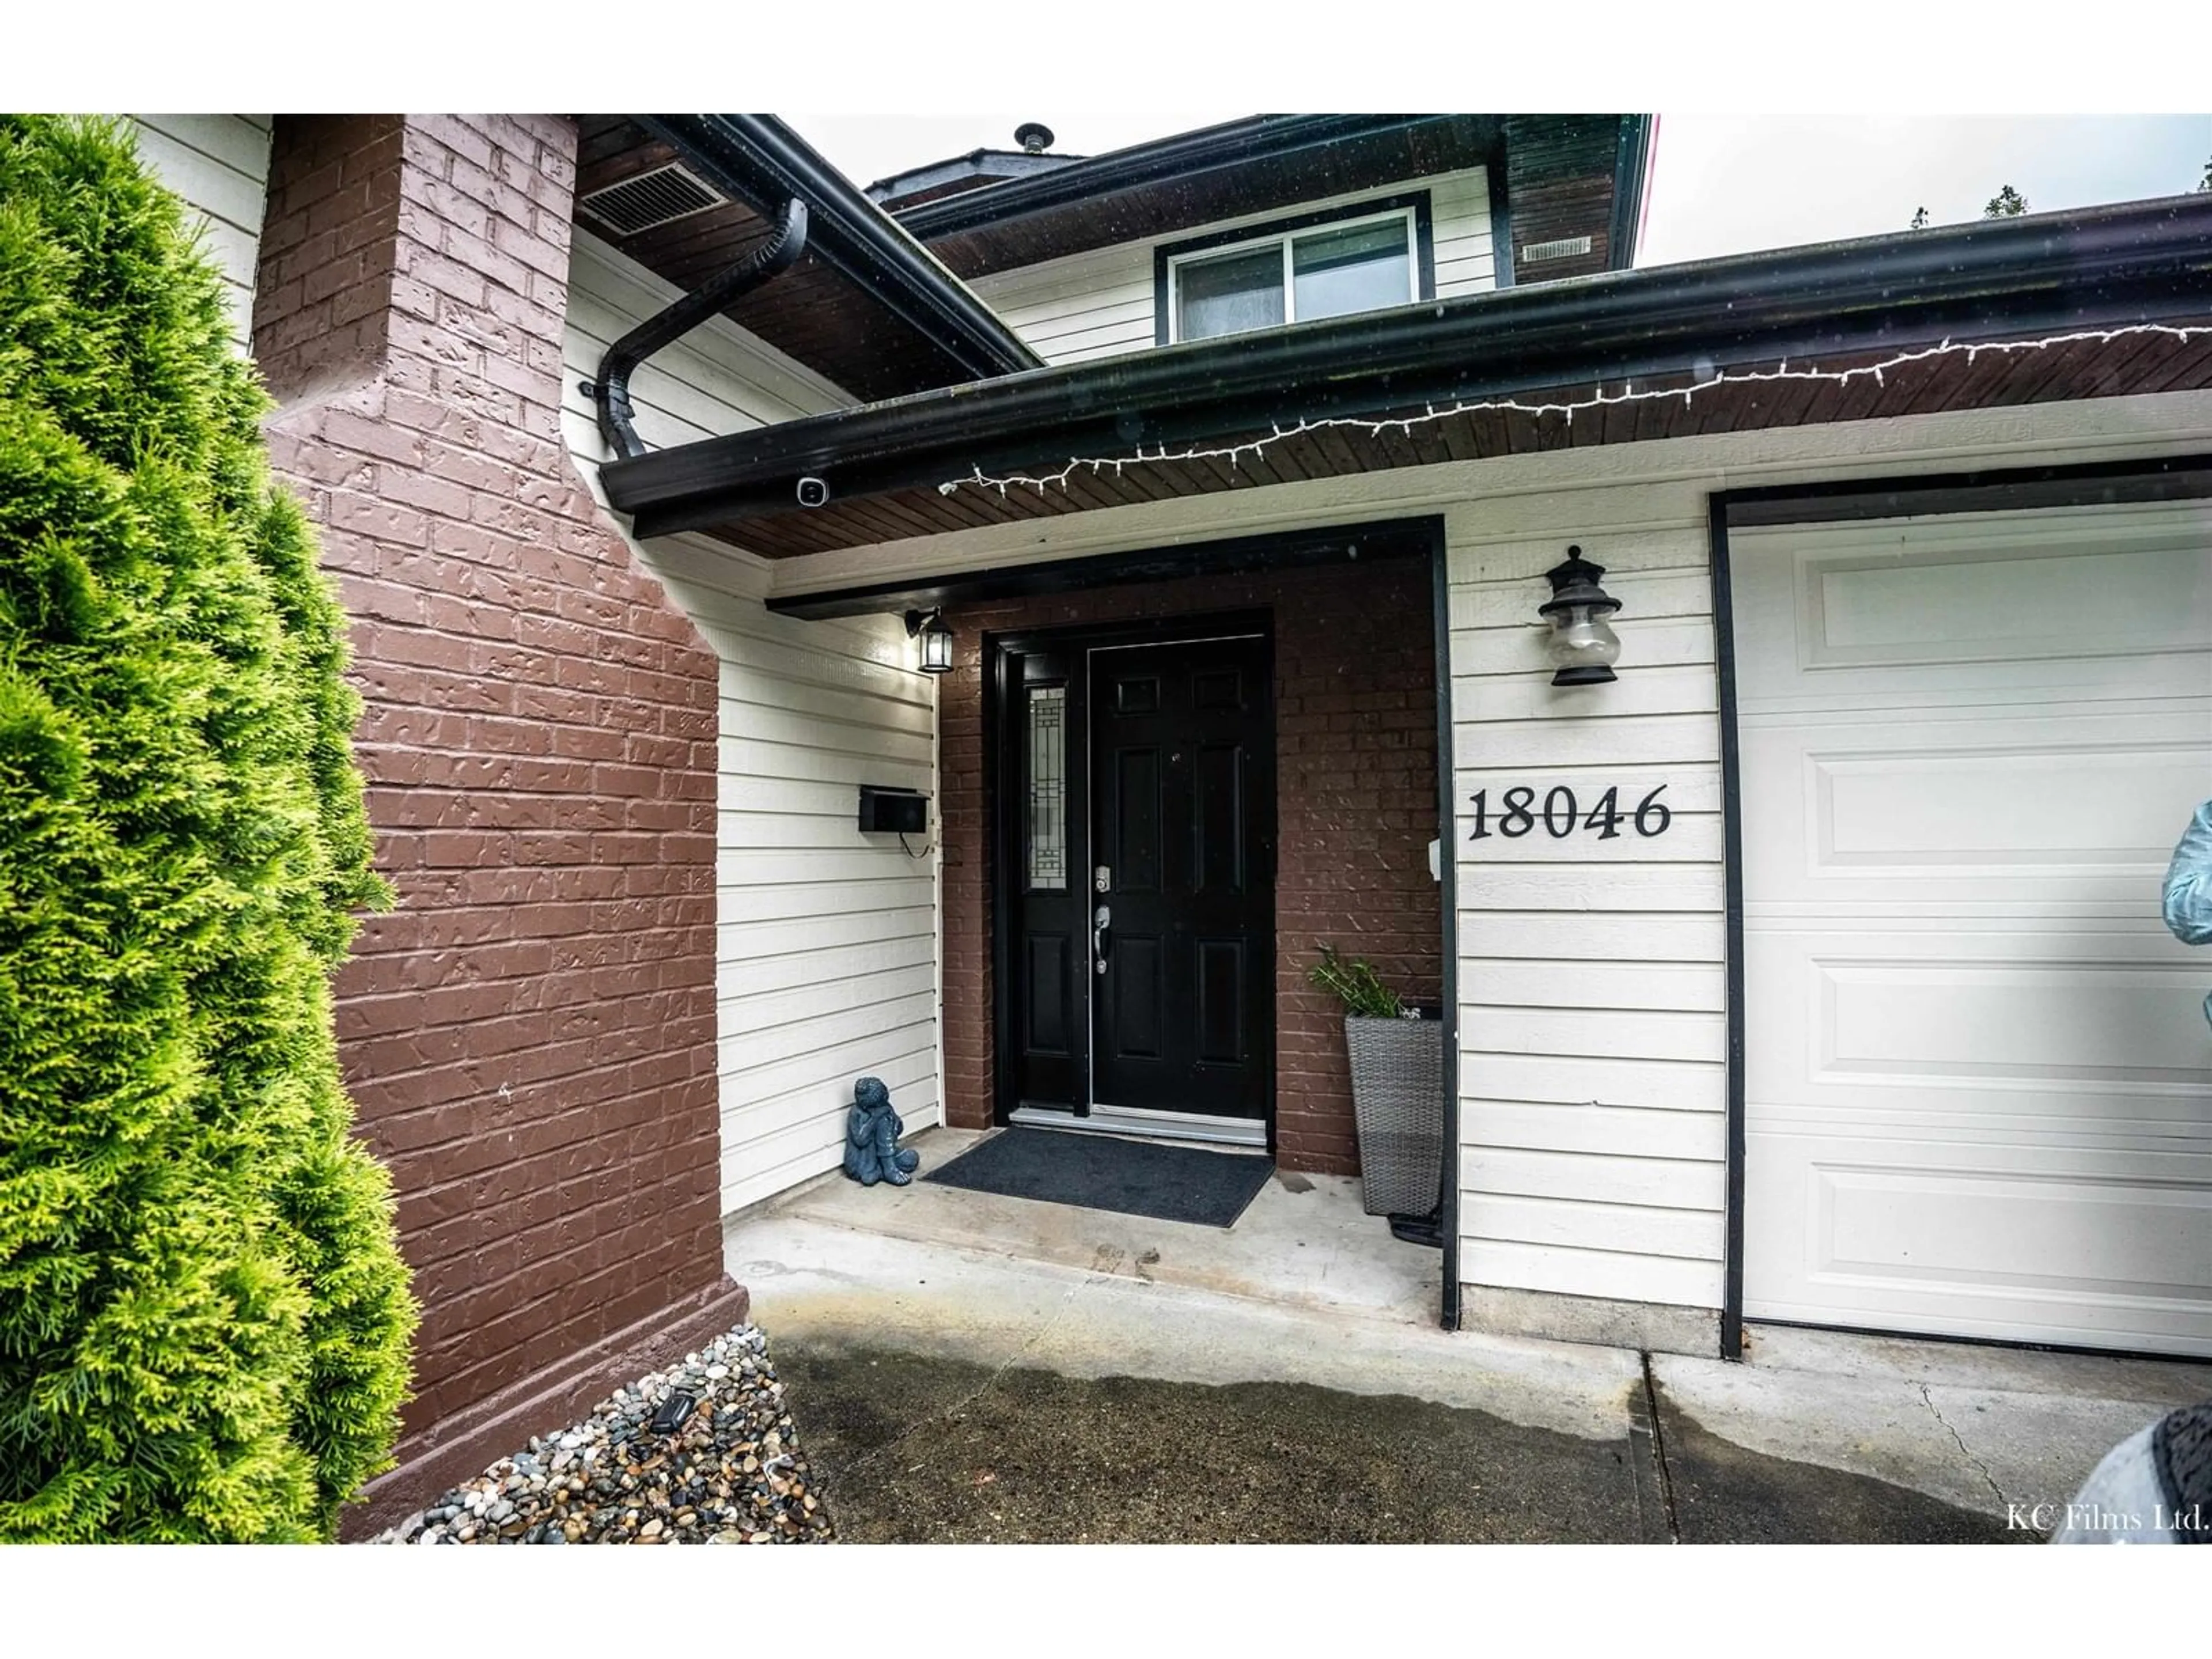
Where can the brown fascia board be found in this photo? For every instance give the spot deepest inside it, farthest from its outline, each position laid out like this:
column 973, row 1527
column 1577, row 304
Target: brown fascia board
column 980, row 169
column 2096, row 267
column 1574, row 174
column 1255, row 165
column 1231, row 143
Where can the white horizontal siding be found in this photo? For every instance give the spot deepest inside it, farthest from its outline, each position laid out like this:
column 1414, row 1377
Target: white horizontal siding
column 1101, row 303
column 1599, row 981
column 1619, row 1275
column 826, row 940
column 1688, row 1235
column 219, row 165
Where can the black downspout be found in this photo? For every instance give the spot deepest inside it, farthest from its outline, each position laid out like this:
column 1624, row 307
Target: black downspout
column 610, row 392
column 1732, row 902
column 1450, row 1313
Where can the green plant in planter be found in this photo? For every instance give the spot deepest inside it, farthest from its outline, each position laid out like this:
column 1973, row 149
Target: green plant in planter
column 203, row 1315
column 1359, row 987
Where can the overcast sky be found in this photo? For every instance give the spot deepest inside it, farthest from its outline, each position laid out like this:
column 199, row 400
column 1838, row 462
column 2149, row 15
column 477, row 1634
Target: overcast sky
column 1721, row 184
column 1735, row 184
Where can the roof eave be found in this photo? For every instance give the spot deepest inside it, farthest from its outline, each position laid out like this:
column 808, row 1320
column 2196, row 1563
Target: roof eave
column 2136, row 262
column 762, row 161
column 989, row 167
column 1230, row 143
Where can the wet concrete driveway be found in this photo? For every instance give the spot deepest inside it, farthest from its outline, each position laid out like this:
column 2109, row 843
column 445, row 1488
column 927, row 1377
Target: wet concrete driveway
column 914, row 1450
column 911, row 1449
column 970, row 1382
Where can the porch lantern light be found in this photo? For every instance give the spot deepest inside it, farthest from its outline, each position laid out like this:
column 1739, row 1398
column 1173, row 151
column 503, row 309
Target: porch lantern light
column 1582, row 643
column 936, row 639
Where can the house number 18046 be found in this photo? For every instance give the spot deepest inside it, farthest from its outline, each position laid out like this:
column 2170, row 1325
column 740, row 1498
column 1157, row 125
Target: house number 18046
column 1561, row 814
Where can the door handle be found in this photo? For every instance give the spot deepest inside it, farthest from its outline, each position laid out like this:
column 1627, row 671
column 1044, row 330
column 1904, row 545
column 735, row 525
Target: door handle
column 1102, row 940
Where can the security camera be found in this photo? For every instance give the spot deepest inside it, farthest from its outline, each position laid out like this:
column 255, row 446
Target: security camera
column 812, row 492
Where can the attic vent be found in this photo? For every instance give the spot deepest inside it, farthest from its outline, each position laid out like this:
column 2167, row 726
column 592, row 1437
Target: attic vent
column 1566, row 248
column 651, row 199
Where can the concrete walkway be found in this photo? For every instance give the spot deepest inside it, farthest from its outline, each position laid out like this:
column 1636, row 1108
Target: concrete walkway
column 965, row 1368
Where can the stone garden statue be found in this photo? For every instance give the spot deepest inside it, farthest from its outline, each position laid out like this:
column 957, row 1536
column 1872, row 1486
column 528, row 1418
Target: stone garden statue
column 871, row 1150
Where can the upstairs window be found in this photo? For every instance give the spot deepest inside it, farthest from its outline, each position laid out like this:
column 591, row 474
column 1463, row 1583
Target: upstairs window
column 1294, row 275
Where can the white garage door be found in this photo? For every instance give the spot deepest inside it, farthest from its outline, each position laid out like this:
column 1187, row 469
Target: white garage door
column 1978, row 1075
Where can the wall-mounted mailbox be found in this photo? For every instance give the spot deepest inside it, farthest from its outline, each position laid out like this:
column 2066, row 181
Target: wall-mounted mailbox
column 893, row 811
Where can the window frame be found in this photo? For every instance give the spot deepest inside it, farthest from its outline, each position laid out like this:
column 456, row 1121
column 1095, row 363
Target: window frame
column 1168, row 258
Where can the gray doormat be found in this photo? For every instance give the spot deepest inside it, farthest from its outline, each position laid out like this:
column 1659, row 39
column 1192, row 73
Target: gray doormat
column 1100, row 1172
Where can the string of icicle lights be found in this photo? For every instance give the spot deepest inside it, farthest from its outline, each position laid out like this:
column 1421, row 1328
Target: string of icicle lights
column 1599, row 399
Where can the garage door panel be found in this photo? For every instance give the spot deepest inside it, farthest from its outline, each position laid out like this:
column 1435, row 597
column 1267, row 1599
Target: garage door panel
column 2056, row 806
column 2083, row 1022
column 2021, row 1032
column 1911, row 814
column 1977, row 1076
column 2020, row 1007
column 1991, row 603
column 2102, row 1249
column 2033, row 599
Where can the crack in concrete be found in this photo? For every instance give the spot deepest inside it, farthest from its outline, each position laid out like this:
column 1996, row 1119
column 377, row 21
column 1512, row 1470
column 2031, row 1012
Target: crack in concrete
column 1659, row 1451
column 1928, row 1401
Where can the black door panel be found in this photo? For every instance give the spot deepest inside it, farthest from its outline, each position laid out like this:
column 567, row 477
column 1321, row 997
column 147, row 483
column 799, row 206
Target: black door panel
column 1047, row 995
column 1182, row 789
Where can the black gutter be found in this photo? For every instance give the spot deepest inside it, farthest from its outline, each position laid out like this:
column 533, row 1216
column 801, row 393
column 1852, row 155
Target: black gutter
column 760, row 161
column 1232, row 144
column 609, row 389
column 2100, row 266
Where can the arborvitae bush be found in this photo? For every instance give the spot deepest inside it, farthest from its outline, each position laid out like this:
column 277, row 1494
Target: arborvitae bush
column 204, row 1316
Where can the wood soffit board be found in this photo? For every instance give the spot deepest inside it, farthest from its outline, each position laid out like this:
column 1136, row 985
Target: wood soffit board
column 2082, row 370
column 814, row 313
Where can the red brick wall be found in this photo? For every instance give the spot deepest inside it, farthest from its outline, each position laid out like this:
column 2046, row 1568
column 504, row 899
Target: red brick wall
column 529, row 1036
column 1355, row 791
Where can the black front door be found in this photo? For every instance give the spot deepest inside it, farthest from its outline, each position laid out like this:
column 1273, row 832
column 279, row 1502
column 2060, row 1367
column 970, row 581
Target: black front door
column 1183, row 795
column 1139, row 836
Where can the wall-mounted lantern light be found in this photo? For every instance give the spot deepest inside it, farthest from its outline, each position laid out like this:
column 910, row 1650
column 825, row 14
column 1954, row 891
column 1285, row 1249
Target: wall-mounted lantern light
column 937, row 640
column 1583, row 644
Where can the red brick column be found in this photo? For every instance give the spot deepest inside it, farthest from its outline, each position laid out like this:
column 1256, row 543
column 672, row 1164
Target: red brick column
column 1355, row 808
column 529, row 1036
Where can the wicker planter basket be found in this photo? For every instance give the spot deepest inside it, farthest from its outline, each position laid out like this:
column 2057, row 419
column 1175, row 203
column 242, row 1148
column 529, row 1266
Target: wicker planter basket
column 1398, row 1105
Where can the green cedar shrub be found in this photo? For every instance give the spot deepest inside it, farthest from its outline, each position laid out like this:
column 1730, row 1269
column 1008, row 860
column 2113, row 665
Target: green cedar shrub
column 204, row 1320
